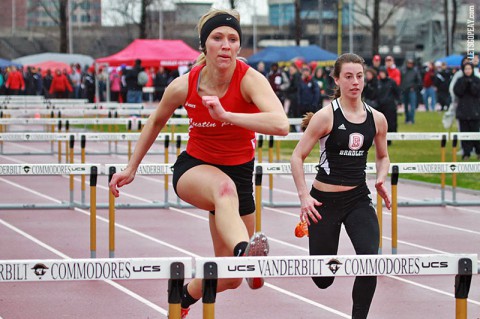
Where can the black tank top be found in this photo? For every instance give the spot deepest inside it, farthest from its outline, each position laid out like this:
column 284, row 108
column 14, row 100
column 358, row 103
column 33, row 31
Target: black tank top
column 344, row 150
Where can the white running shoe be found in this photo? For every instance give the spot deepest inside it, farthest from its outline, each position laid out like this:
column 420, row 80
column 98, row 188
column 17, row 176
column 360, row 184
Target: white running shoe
column 257, row 246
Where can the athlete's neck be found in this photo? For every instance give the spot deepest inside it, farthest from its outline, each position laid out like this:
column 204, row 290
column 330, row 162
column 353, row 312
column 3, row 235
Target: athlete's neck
column 350, row 104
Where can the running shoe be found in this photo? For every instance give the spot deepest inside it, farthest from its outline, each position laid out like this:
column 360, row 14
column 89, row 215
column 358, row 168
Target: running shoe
column 257, row 246
column 301, row 229
column 184, row 313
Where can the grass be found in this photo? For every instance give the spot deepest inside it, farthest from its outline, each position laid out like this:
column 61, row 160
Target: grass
column 399, row 151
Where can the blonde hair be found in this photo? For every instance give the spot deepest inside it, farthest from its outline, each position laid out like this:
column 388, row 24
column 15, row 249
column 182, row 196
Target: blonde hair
column 207, row 16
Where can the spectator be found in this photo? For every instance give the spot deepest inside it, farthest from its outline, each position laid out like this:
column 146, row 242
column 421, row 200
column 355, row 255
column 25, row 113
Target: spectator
column 467, row 90
column 115, row 85
column 429, row 89
column 442, row 79
column 278, row 81
column 411, row 82
column 291, row 106
column 134, row 89
column 393, row 72
column 47, row 83
column 308, row 92
column 322, row 80
column 388, row 97
column 261, row 68
column 89, row 84
column 161, row 82
column 76, row 80
column 370, row 91
column 60, row 87
column 376, row 62
column 15, row 83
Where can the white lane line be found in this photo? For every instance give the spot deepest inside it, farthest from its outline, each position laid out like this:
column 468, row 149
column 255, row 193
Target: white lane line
column 62, row 255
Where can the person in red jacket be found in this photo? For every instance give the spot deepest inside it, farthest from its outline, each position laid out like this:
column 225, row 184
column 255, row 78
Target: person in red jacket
column 15, row 82
column 60, row 86
column 393, row 71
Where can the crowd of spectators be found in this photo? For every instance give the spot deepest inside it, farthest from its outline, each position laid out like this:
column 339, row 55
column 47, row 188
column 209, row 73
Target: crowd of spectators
column 80, row 83
column 429, row 86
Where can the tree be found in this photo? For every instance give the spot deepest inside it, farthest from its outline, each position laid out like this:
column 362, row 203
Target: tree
column 58, row 12
column 126, row 12
column 374, row 17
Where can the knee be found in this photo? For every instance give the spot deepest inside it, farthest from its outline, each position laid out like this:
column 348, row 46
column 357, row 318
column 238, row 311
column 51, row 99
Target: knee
column 323, row 282
column 227, row 189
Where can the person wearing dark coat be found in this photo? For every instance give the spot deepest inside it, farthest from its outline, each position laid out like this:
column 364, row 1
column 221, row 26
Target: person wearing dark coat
column 467, row 90
column 308, row 92
column 370, row 91
column 388, row 95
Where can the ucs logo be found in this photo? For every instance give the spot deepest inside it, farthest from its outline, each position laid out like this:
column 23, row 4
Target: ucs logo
column 155, row 268
column 241, row 268
column 435, row 264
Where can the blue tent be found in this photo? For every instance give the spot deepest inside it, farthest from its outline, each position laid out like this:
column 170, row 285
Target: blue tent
column 452, row 60
column 6, row 63
column 280, row 54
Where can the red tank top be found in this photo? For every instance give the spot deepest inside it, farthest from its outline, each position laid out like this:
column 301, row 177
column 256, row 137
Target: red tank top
column 213, row 141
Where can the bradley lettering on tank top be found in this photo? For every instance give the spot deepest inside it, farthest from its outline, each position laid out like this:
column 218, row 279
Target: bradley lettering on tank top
column 355, row 143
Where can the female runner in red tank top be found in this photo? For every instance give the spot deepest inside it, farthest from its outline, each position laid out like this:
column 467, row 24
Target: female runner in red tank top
column 226, row 102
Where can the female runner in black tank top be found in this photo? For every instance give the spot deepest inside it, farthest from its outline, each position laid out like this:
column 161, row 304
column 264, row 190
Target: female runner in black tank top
column 339, row 194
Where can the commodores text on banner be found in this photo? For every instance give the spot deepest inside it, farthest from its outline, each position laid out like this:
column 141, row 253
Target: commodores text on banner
column 88, row 269
column 365, row 265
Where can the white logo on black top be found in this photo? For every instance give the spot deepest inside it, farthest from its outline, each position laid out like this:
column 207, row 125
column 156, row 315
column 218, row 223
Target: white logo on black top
column 342, row 127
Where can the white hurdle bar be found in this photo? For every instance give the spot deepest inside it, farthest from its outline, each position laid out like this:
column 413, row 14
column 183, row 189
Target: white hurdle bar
column 175, row 269
column 46, row 170
column 214, row 268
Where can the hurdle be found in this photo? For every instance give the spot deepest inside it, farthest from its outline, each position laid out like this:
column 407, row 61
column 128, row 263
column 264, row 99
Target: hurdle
column 212, row 269
column 173, row 269
column 32, row 137
column 143, row 169
column 44, row 170
column 455, row 137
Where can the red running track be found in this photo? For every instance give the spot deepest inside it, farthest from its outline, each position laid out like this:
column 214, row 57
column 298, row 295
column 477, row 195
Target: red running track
column 47, row 234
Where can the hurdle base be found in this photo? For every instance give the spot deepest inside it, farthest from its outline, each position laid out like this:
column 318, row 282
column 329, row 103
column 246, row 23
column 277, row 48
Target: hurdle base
column 134, row 206
column 63, row 205
column 280, row 204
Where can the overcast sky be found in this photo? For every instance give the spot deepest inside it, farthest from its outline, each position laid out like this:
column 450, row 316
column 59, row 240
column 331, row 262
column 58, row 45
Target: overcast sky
column 246, row 9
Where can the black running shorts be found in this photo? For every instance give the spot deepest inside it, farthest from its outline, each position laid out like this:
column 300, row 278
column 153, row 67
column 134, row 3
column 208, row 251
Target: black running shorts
column 242, row 176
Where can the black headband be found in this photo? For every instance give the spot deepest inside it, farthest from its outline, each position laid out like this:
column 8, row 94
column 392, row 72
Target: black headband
column 219, row 21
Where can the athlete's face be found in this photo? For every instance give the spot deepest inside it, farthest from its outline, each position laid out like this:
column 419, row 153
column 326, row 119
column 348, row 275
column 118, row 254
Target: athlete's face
column 351, row 80
column 223, row 45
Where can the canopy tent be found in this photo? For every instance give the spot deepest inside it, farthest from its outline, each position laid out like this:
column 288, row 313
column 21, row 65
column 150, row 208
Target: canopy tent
column 167, row 53
column 51, row 65
column 6, row 63
column 453, row 60
column 67, row 58
column 308, row 54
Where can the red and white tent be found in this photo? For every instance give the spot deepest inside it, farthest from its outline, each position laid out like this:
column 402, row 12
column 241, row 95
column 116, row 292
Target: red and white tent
column 167, row 53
